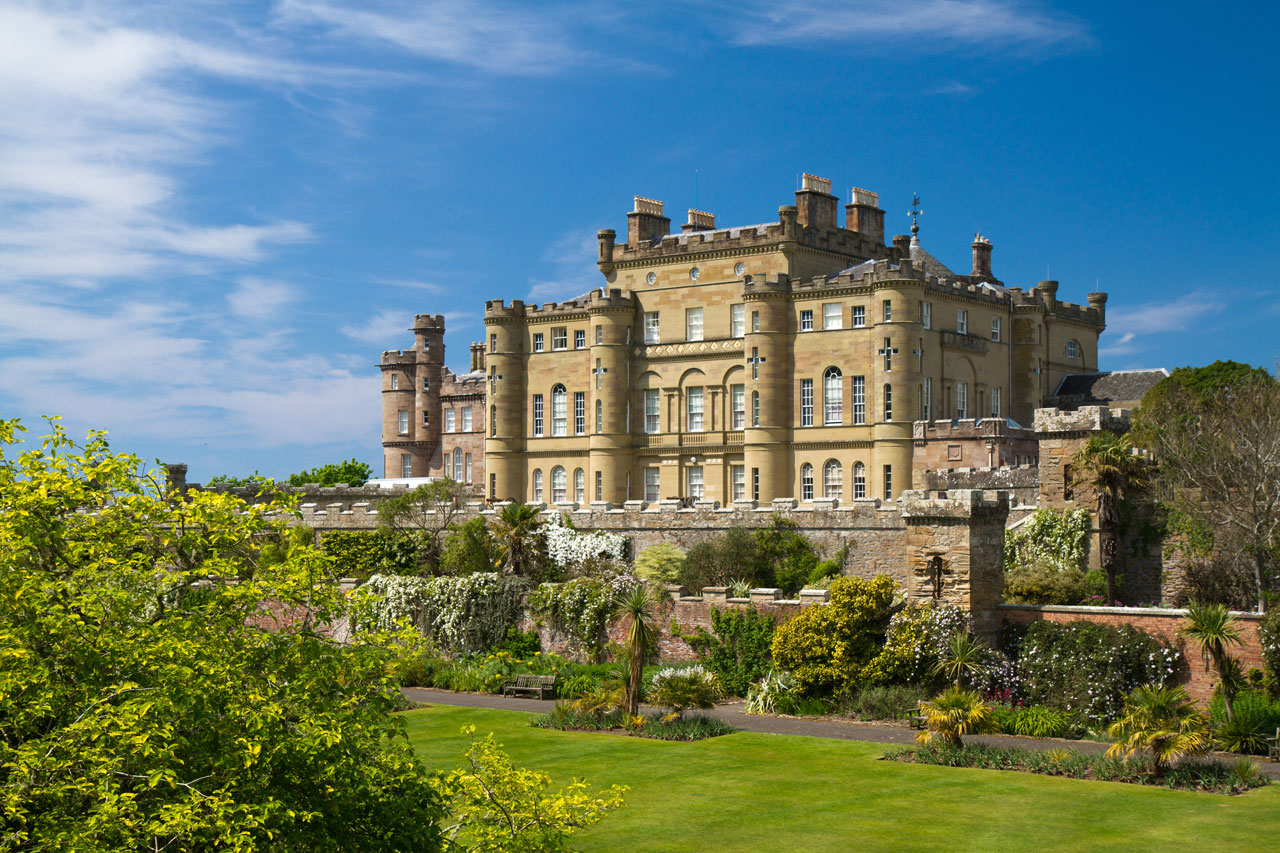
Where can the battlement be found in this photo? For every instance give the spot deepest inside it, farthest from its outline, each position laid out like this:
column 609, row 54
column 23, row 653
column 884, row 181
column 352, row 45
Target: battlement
column 497, row 309
column 969, row 428
column 394, row 357
column 1084, row 419
column 428, row 323
column 596, row 300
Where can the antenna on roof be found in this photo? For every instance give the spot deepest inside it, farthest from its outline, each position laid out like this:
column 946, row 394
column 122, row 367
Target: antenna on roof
column 695, row 188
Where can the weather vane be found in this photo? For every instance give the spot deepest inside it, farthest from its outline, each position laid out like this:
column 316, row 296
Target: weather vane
column 915, row 213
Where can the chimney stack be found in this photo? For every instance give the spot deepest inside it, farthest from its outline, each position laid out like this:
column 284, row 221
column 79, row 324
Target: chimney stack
column 477, row 357
column 646, row 221
column 815, row 204
column 902, row 245
column 981, row 257
column 863, row 214
column 699, row 220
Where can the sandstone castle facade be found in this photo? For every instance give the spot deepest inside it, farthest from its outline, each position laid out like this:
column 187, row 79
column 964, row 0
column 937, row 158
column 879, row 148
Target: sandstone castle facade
column 784, row 359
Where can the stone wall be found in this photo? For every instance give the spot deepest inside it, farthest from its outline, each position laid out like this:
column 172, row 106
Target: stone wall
column 1020, row 481
column 1156, row 622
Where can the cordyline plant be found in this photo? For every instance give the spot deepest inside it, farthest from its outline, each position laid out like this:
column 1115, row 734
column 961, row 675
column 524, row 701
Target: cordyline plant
column 1108, row 465
column 1214, row 628
column 638, row 606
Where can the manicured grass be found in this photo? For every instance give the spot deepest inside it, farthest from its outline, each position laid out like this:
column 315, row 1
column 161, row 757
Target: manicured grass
column 750, row 791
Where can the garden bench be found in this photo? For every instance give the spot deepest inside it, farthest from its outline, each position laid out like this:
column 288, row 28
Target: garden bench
column 916, row 718
column 1273, row 746
column 542, row 685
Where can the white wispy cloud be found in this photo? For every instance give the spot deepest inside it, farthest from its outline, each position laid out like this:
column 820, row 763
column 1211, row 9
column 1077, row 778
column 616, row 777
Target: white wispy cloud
column 260, row 298
column 384, row 328
column 1129, row 328
column 928, row 25
column 572, row 257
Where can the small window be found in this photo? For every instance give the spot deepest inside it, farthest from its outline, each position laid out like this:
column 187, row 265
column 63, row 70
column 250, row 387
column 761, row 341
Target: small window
column 559, row 338
column 755, row 321
column 406, row 465
column 466, row 419
column 995, row 401
column 737, row 482
column 806, row 320
column 426, row 417
column 962, row 399
column 457, row 465
column 755, row 484
column 926, row 399
column 493, row 421
column 859, row 480
column 599, row 485
column 832, row 480
column 579, row 338
column 737, row 407
column 537, row 485
column 859, row 315
column 755, row 408
column 888, row 482
column 859, row 386
column 806, row 482
column 580, row 486
column 537, row 341
column 888, row 311
column 888, row 402
column 579, row 412
column 652, row 478
column 831, row 315
column 806, row 402
column 962, row 321
column 402, row 422
column 1073, row 349
column 448, row 420
column 426, row 384
column 695, row 481
column 694, row 398
column 926, row 315
column 737, row 321
column 493, row 342
column 651, row 329
column 493, row 487
column 651, row 414
column 559, row 410
column 693, row 324
column 833, row 397
column 995, row 328
column 537, row 414
column 395, row 382
column 599, row 416
column 599, row 335
column 559, row 485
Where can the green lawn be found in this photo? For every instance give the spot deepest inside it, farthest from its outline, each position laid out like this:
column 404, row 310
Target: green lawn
column 769, row 792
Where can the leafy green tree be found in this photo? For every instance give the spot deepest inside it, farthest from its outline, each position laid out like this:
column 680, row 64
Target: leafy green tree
column 1162, row 720
column 638, row 606
column 1215, row 435
column 784, row 558
column 516, row 528
column 1214, row 628
column 147, row 703
column 1108, row 466
column 471, row 547
column 963, row 659
column 351, row 472
column 953, row 714
column 497, row 806
column 422, row 516
column 661, row 563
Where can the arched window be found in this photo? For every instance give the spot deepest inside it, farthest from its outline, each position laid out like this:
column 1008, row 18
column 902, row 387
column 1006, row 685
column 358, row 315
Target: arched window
column 559, row 411
column 859, row 480
column 493, row 421
column 599, row 416
column 457, row 464
column 806, row 482
column 832, row 480
column 580, row 486
column 832, row 396
column 537, row 485
column 888, row 402
column 559, row 485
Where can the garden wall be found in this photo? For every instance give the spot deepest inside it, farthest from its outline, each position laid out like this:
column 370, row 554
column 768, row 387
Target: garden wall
column 1157, row 622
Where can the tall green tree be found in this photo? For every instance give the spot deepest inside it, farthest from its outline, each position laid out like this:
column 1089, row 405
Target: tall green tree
column 351, row 472
column 1108, row 465
column 148, row 703
column 1215, row 435
column 1214, row 628
column 423, row 515
column 516, row 527
column 638, row 607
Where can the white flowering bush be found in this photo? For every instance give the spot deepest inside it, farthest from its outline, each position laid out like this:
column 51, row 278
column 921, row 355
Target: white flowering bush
column 1088, row 669
column 772, row 694
column 683, row 687
column 466, row 614
column 918, row 636
column 573, row 550
column 1056, row 537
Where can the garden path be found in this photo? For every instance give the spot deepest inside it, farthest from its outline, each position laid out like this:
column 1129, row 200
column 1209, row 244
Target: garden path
column 733, row 713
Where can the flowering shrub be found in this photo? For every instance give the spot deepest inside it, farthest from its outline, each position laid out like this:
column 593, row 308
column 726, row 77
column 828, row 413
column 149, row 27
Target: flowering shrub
column 683, row 687
column 1088, row 669
column 572, row 550
column 771, row 694
column 580, row 608
column 918, row 636
column 1055, row 536
column 465, row 614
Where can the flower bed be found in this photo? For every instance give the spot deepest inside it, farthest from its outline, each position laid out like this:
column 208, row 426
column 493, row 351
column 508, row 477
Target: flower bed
column 1216, row 777
column 654, row 726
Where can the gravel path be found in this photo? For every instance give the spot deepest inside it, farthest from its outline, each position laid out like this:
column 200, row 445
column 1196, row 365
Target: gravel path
column 732, row 713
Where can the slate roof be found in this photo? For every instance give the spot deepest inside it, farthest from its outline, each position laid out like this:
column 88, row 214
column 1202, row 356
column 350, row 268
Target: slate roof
column 931, row 265
column 1112, row 386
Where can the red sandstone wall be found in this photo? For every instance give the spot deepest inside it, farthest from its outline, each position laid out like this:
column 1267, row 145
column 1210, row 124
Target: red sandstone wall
column 1158, row 623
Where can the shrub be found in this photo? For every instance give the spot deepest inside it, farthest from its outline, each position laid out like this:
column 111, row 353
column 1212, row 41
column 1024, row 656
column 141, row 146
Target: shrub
column 886, row 702
column 1256, row 719
column 952, row 714
column 1160, row 720
column 739, row 650
column 470, row 547
column 467, row 614
column 1038, row 721
column 362, row 553
column 520, row 644
column 1043, row 582
column 1269, row 637
column 832, row 568
column 579, row 609
column 918, row 636
column 661, row 563
column 684, row 687
column 566, row 718
column 829, row 649
column 1085, row 668
column 1050, row 535
column 784, row 558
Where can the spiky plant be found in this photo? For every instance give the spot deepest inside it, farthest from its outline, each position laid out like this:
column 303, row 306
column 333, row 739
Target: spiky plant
column 952, row 714
column 963, row 658
column 1107, row 465
column 638, row 606
column 1163, row 721
column 515, row 528
column 1214, row 628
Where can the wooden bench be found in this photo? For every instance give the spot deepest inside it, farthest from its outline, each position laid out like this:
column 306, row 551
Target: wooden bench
column 1273, row 747
column 916, row 718
column 544, row 686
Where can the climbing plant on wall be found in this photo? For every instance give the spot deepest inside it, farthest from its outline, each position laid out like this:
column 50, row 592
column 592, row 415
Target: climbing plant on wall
column 466, row 614
column 1056, row 536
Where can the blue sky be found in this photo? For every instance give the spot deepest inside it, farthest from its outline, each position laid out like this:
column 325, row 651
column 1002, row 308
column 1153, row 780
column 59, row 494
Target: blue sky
column 214, row 217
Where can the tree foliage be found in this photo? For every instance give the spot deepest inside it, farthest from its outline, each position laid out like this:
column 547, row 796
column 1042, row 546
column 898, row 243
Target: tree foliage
column 739, row 650
column 1215, row 434
column 423, row 515
column 1108, row 466
column 141, row 706
column 351, row 472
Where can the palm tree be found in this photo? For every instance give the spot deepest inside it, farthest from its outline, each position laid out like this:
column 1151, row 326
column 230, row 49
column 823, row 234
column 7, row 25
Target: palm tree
column 1163, row 720
column 962, row 658
column 1108, row 466
column 1214, row 628
column 515, row 527
column 640, row 605
column 954, row 712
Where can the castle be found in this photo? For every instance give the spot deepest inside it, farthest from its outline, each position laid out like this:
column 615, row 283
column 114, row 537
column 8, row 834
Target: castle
column 783, row 359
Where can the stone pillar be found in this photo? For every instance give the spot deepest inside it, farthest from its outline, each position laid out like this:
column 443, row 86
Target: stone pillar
column 504, row 445
column 768, row 374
